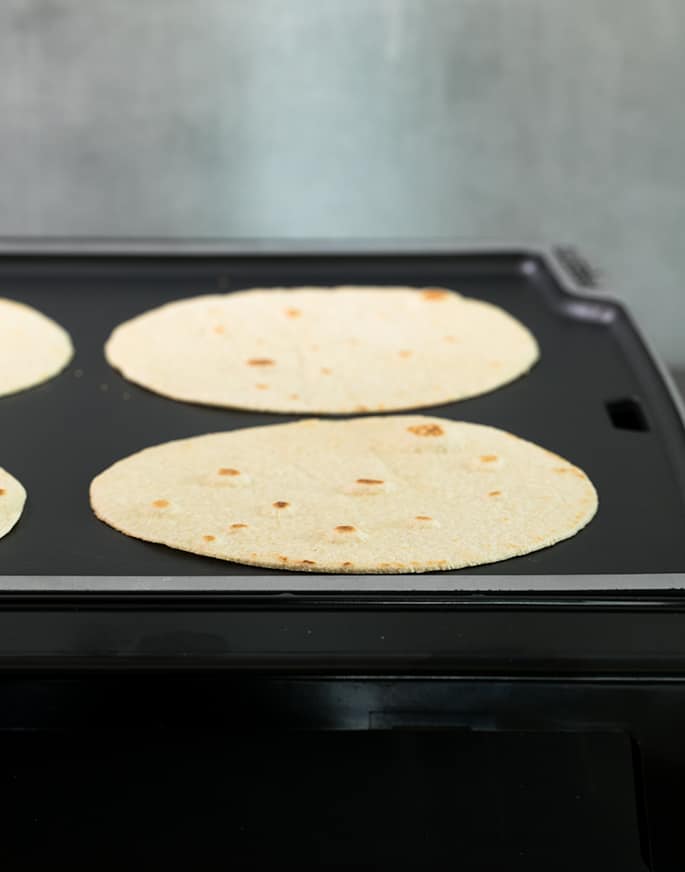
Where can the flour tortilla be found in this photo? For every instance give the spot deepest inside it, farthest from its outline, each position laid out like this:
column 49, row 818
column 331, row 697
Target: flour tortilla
column 12, row 499
column 33, row 348
column 392, row 494
column 325, row 350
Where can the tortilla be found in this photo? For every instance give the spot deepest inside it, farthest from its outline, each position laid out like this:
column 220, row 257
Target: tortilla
column 324, row 350
column 12, row 499
column 33, row 348
column 380, row 494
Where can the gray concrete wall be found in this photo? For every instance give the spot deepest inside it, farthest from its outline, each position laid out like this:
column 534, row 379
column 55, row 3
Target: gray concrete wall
column 503, row 119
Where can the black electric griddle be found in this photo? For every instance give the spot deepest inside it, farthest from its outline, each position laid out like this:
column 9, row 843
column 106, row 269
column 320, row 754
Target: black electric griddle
column 596, row 397
column 75, row 592
column 141, row 671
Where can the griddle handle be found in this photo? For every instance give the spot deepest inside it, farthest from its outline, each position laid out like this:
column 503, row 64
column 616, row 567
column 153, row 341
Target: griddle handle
column 578, row 268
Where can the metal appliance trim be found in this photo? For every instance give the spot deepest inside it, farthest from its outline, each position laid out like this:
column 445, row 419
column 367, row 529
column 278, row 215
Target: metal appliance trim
column 333, row 584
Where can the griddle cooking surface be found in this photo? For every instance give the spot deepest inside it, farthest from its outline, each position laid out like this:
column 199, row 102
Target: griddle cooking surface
column 57, row 436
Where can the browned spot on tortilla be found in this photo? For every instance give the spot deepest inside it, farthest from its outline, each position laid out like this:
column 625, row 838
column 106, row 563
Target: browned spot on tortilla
column 326, row 371
column 436, row 563
column 294, row 397
column 361, row 409
column 280, row 504
column 450, row 339
column 282, row 558
column 345, row 528
column 2, row 491
column 370, row 481
column 406, row 353
column 310, row 562
column 346, row 563
column 219, row 328
column 293, row 312
column 570, row 469
column 262, row 387
column 488, row 458
column 160, row 504
column 495, row 363
column 494, row 493
column 260, row 361
column 434, row 294
column 423, row 518
column 238, row 526
column 228, row 470
column 209, row 538
column 314, row 347
column 426, row 430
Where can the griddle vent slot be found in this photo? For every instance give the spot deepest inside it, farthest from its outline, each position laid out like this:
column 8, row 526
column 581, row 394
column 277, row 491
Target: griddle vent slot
column 627, row 413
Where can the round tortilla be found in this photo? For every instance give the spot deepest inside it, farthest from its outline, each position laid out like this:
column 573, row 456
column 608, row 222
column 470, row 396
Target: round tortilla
column 12, row 499
column 33, row 348
column 389, row 494
column 324, row 350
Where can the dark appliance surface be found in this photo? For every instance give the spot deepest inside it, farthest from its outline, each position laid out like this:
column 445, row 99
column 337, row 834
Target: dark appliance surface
column 320, row 800
column 116, row 651
column 594, row 397
column 75, row 591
